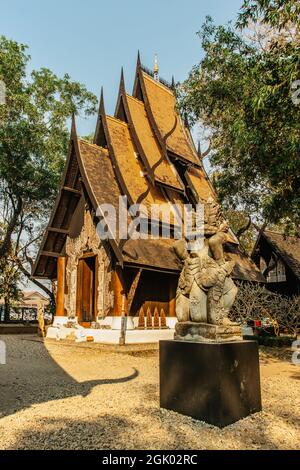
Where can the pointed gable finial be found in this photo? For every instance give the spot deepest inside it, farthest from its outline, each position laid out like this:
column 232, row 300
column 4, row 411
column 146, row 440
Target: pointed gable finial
column 101, row 107
column 73, row 126
column 101, row 113
column 156, row 68
column 122, row 81
column 138, row 63
column 173, row 85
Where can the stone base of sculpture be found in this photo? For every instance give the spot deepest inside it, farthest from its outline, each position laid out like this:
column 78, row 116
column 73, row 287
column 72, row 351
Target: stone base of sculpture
column 208, row 371
column 193, row 331
column 215, row 382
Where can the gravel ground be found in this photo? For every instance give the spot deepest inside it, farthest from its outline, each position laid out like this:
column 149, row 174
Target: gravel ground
column 58, row 396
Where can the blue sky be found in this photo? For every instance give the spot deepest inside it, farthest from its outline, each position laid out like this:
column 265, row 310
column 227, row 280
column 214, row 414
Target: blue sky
column 92, row 39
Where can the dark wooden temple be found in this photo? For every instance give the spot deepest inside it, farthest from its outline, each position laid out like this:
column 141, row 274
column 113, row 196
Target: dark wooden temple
column 144, row 152
column 278, row 258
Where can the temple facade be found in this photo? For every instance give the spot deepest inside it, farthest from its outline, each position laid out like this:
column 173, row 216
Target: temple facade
column 146, row 154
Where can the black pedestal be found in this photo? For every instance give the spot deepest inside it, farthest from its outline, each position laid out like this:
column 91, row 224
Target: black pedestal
column 214, row 382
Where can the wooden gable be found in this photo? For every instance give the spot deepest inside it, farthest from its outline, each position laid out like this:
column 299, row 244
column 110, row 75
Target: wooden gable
column 88, row 178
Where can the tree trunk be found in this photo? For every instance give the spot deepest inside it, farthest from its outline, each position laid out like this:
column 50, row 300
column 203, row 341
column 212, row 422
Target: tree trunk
column 6, row 244
column 6, row 310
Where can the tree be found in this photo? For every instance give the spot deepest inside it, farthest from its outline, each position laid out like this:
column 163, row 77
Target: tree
column 279, row 14
column 242, row 93
column 33, row 145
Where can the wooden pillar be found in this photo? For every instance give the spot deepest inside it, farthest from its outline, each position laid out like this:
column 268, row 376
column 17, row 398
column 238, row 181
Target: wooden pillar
column 118, row 292
column 172, row 298
column 61, row 268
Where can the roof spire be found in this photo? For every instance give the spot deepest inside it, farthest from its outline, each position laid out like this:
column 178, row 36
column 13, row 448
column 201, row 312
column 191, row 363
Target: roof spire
column 101, row 107
column 73, row 126
column 122, row 81
column 155, row 69
column 101, row 113
column 138, row 59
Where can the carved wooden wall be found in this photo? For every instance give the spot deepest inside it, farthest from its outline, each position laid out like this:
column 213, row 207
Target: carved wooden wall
column 88, row 240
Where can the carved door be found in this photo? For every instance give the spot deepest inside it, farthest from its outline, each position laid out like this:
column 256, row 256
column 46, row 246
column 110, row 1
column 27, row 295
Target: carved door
column 86, row 280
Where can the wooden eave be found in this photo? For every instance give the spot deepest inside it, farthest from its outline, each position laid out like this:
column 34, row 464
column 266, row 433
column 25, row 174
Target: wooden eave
column 159, row 255
column 146, row 267
column 51, row 227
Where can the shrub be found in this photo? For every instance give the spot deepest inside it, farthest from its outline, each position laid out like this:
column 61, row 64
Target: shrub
column 255, row 302
column 272, row 341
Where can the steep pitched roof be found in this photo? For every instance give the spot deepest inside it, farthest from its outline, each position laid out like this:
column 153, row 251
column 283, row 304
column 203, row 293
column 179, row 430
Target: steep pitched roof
column 99, row 172
column 199, row 184
column 155, row 253
column 160, row 102
column 66, row 202
column 164, row 172
column 129, row 165
column 31, row 294
column 288, row 249
column 161, row 255
column 244, row 269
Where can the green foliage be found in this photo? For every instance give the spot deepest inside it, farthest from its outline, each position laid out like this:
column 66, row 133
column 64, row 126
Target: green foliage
column 277, row 13
column 241, row 93
column 9, row 279
column 238, row 220
column 33, row 140
column 88, row 138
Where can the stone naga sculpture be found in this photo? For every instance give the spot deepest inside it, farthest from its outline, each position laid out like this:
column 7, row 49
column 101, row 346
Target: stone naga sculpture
column 206, row 292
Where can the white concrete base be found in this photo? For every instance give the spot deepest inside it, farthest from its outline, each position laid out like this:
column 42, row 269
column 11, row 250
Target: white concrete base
column 116, row 323
column 58, row 331
column 57, row 321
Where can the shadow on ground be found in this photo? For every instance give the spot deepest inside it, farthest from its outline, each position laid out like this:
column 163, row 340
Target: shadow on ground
column 107, row 432
column 40, row 379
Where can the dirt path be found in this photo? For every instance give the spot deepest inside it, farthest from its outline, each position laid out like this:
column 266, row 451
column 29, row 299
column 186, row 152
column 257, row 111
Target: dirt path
column 54, row 396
